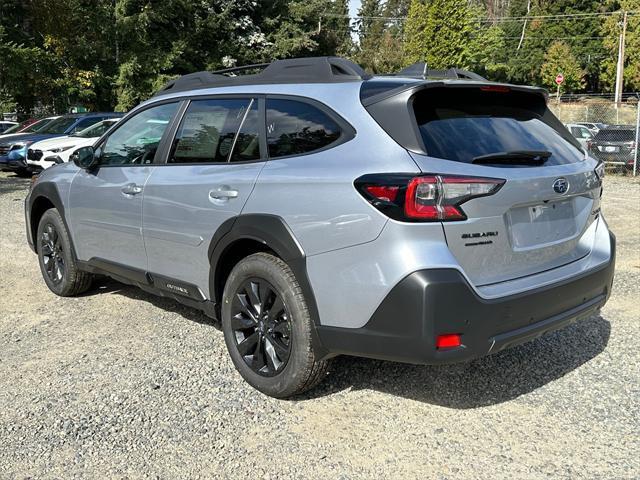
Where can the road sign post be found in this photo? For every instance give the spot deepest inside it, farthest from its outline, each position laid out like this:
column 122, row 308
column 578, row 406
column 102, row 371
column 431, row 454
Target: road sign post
column 559, row 81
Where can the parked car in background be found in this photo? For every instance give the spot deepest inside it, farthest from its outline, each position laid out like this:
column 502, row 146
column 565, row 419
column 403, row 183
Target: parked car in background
column 615, row 145
column 593, row 127
column 13, row 149
column 6, row 125
column 580, row 133
column 46, row 153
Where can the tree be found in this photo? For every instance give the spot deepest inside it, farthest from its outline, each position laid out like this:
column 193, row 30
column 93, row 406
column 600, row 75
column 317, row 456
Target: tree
column 560, row 60
column 438, row 33
column 611, row 30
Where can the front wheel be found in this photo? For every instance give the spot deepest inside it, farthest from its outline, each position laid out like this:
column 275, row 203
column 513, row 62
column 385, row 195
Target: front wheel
column 267, row 328
column 57, row 263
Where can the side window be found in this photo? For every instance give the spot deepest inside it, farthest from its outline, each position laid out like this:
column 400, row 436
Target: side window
column 207, row 130
column 585, row 133
column 294, row 128
column 136, row 141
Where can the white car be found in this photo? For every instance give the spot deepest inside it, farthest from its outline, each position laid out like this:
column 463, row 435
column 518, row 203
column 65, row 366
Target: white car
column 580, row 133
column 46, row 153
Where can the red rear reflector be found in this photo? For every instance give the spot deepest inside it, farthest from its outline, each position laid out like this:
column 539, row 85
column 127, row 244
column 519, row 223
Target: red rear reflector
column 383, row 192
column 495, row 88
column 449, row 340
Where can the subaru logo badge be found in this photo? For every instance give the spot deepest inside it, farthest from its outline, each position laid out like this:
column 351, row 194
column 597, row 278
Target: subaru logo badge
column 561, row 186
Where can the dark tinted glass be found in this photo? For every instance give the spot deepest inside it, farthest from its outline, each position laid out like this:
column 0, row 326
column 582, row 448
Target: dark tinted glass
column 247, row 146
column 59, row 125
column 136, row 141
column 460, row 125
column 615, row 135
column 207, row 130
column 295, row 127
column 38, row 126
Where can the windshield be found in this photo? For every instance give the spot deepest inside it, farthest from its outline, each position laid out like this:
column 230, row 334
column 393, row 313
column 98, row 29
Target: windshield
column 462, row 124
column 96, row 130
column 58, row 126
column 11, row 129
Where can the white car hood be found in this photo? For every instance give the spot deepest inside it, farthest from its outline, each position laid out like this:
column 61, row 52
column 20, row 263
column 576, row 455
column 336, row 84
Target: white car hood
column 61, row 142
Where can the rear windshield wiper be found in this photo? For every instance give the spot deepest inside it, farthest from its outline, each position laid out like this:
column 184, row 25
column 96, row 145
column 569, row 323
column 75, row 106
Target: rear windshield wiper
column 515, row 157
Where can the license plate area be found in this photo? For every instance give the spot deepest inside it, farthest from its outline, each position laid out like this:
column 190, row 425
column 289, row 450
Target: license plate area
column 535, row 226
column 609, row 149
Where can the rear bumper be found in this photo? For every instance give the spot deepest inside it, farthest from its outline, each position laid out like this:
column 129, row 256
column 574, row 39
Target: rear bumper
column 429, row 303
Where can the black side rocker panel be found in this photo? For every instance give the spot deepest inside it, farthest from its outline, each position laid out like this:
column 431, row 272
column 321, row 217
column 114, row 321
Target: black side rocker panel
column 428, row 303
column 185, row 293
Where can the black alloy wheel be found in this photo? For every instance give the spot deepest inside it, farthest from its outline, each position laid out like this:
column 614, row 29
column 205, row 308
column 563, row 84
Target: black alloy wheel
column 52, row 254
column 261, row 326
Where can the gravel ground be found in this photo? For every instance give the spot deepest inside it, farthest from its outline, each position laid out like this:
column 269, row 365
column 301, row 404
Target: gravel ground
column 121, row 384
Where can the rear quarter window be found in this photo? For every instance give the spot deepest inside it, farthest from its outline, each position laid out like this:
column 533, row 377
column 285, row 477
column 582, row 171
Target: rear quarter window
column 461, row 124
column 296, row 128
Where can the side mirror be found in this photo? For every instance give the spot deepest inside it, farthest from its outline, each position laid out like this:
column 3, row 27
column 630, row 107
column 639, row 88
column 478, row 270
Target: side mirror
column 85, row 158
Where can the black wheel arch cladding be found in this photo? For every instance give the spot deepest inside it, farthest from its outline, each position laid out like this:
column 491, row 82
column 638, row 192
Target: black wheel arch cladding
column 46, row 191
column 273, row 232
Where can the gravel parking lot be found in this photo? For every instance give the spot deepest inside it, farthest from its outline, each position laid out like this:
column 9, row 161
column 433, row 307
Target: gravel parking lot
column 119, row 383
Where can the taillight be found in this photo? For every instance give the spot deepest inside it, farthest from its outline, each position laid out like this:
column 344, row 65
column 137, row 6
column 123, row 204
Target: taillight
column 426, row 198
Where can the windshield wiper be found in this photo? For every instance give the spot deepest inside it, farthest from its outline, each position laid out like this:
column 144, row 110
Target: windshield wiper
column 515, row 157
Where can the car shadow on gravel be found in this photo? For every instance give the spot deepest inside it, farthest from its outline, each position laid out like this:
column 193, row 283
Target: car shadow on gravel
column 487, row 381
column 13, row 183
column 107, row 285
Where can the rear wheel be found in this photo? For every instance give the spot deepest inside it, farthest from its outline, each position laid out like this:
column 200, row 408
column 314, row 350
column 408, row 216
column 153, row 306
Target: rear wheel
column 267, row 327
column 58, row 267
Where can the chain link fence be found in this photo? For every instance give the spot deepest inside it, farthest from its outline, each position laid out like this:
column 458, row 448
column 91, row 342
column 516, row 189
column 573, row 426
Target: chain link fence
column 609, row 131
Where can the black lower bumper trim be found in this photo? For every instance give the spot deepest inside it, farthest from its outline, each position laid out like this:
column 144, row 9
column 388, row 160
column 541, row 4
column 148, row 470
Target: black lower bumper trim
column 429, row 303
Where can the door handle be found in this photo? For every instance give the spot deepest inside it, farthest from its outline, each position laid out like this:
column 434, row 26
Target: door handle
column 131, row 189
column 223, row 193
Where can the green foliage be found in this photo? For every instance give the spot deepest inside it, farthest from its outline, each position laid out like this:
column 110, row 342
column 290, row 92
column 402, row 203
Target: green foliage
column 115, row 53
column 560, row 60
column 611, row 30
column 455, row 42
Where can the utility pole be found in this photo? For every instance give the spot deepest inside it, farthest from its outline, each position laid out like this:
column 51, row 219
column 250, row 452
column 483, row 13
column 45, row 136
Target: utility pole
column 620, row 68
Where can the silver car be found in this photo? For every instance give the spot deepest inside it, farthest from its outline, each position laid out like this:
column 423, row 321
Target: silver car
column 316, row 211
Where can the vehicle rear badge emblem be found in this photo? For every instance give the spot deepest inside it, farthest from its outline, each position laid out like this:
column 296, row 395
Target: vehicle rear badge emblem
column 561, row 186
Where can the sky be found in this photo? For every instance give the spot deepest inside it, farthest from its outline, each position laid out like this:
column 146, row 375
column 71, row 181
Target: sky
column 354, row 5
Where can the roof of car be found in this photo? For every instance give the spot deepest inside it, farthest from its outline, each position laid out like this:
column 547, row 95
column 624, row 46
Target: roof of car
column 311, row 70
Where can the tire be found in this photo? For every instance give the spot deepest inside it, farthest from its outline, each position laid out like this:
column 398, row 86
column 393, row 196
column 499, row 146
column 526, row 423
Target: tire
column 272, row 325
column 57, row 263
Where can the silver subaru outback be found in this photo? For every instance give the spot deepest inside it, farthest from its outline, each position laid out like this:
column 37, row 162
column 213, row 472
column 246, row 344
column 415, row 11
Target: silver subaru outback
column 424, row 217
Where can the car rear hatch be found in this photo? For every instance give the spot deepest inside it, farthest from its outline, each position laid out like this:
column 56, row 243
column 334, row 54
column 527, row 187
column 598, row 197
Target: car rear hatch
column 542, row 217
column 611, row 144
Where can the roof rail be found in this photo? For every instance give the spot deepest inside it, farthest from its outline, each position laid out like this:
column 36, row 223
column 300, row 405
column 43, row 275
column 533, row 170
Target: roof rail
column 294, row 70
column 421, row 70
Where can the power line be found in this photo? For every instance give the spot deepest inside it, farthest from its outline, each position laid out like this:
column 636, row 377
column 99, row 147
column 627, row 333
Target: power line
column 557, row 17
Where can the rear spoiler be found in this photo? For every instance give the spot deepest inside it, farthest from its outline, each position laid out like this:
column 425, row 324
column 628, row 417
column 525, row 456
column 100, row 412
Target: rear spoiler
column 414, row 88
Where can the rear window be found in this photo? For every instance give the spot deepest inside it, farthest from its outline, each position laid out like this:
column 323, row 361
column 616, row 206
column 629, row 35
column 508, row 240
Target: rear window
column 616, row 135
column 461, row 124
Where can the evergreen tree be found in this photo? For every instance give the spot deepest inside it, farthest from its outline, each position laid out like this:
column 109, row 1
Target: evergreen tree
column 560, row 60
column 611, row 30
column 439, row 33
